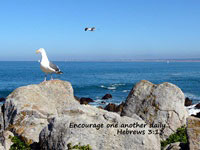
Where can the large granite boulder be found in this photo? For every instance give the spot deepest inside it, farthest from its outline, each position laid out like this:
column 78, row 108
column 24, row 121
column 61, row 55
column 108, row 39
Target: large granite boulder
column 28, row 108
column 193, row 132
column 157, row 104
column 61, row 131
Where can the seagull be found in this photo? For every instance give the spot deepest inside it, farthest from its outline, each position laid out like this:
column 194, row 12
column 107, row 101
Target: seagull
column 90, row 29
column 46, row 66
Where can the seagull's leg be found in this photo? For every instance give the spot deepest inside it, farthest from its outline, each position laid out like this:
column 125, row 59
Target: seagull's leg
column 45, row 77
column 51, row 76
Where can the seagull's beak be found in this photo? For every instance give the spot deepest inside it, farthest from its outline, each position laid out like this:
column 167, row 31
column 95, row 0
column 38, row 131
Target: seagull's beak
column 37, row 51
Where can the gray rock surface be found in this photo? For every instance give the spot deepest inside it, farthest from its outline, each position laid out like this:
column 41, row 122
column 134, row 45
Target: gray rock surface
column 193, row 132
column 7, row 140
column 28, row 108
column 176, row 146
column 1, row 147
column 162, row 103
column 58, row 134
column 1, row 119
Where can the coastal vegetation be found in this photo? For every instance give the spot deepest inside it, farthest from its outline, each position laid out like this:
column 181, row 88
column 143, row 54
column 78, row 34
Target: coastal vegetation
column 79, row 147
column 179, row 136
column 18, row 144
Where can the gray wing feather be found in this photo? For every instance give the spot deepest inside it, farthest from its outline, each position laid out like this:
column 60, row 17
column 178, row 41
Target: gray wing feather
column 54, row 66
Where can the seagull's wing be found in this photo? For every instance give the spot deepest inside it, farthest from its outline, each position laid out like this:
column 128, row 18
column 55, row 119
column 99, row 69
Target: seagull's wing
column 86, row 29
column 53, row 66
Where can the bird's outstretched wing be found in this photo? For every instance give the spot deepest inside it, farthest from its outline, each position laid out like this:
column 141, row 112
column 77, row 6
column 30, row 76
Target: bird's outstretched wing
column 86, row 29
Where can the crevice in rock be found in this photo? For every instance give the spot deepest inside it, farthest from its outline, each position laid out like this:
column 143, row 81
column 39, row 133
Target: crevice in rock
column 3, row 112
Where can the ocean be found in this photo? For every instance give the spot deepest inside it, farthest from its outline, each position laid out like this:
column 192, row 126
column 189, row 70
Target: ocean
column 95, row 79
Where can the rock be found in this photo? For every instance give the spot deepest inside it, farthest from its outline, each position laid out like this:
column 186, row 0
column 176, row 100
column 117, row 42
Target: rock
column 110, row 107
column 197, row 106
column 100, row 107
column 114, row 108
column 188, row 102
column 28, row 108
column 176, row 146
column 173, row 146
column 157, row 104
column 2, row 99
column 77, row 98
column 193, row 132
column 197, row 115
column 1, row 147
column 1, row 118
column 120, row 107
column 107, row 96
column 60, row 131
column 7, row 140
column 85, row 100
column 102, row 102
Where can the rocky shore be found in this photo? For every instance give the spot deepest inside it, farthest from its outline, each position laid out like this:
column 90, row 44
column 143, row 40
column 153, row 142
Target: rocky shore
column 49, row 116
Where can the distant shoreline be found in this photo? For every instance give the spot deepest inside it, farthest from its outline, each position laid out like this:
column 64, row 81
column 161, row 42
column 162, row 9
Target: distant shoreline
column 138, row 60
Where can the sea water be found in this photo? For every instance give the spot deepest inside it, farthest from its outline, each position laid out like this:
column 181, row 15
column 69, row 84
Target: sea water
column 95, row 79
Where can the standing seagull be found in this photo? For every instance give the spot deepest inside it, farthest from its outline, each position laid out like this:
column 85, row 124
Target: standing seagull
column 46, row 66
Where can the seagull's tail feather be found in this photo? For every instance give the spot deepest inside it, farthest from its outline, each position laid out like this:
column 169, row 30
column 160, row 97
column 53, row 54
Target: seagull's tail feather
column 59, row 72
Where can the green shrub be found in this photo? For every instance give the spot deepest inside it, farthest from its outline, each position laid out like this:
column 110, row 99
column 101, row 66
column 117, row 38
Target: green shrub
column 79, row 147
column 179, row 136
column 18, row 144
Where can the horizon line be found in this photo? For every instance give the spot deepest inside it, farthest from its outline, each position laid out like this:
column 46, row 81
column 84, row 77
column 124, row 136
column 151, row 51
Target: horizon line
column 117, row 60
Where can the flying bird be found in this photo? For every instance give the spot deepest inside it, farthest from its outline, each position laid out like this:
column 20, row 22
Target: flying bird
column 90, row 29
column 46, row 66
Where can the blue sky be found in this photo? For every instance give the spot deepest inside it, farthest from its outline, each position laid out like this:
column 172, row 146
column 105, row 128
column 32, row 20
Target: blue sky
column 129, row 29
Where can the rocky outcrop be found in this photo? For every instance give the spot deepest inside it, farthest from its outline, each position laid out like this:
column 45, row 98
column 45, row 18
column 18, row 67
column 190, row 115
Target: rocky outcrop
column 28, row 108
column 85, row 100
column 2, row 99
column 197, row 106
column 43, row 113
column 1, row 118
column 120, row 107
column 193, row 132
column 162, row 103
column 188, row 102
column 114, row 108
column 111, row 107
column 107, row 96
column 61, row 131
column 197, row 115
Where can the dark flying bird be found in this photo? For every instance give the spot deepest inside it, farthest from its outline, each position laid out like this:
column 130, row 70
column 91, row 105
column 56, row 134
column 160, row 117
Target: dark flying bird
column 90, row 29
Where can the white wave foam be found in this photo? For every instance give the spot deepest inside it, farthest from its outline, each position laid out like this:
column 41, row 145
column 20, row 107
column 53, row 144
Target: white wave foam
column 112, row 88
column 102, row 86
column 192, row 110
column 125, row 91
column 118, row 84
